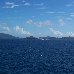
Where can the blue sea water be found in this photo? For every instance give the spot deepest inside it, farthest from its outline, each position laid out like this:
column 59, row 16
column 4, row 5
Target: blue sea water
column 23, row 56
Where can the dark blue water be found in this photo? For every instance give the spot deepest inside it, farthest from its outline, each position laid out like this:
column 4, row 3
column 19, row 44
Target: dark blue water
column 23, row 56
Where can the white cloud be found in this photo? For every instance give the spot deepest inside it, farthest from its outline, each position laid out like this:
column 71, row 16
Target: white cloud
column 53, row 12
column 61, row 21
column 10, row 5
column 27, row 4
column 61, row 34
column 55, row 32
column 6, row 28
column 22, row 31
column 70, row 34
column 29, row 22
column 50, row 12
column 39, row 24
column 41, row 4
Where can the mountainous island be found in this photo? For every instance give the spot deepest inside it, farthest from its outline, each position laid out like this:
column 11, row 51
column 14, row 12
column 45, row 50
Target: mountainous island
column 8, row 36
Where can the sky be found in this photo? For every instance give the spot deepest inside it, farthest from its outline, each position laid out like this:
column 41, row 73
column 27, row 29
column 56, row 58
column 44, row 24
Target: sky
column 37, row 18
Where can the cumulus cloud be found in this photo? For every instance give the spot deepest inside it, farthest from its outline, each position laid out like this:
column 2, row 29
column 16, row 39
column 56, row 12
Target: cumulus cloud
column 10, row 5
column 6, row 28
column 61, row 34
column 55, row 32
column 22, row 31
column 70, row 34
column 39, row 24
column 61, row 21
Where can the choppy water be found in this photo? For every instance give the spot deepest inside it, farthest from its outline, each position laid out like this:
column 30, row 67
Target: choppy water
column 36, row 57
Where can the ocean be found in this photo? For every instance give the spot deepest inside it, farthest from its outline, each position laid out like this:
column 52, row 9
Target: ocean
column 34, row 56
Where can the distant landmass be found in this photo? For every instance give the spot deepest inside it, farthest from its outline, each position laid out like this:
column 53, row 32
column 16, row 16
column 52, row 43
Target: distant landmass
column 7, row 36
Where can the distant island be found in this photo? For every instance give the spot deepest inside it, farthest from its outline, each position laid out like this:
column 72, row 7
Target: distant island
column 8, row 36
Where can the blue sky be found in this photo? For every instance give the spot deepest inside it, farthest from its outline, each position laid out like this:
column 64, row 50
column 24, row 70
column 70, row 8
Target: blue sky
column 37, row 17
